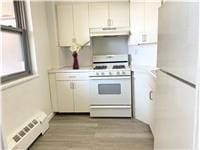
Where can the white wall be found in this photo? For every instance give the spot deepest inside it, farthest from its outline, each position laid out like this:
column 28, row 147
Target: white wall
column 52, row 29
column 22, row 101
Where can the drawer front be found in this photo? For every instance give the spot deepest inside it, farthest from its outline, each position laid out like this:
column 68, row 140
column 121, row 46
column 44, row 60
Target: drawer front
column 72, row 76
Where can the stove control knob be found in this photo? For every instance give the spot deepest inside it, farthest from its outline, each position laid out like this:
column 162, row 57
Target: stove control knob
column 123, row 72
column 102, row 73
column 118, row 73
column 110, row 73
column 97, row 74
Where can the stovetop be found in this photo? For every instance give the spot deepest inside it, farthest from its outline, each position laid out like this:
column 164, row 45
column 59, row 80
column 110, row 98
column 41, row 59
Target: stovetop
column 119, row 67
column 100, row 67
column 111, row 65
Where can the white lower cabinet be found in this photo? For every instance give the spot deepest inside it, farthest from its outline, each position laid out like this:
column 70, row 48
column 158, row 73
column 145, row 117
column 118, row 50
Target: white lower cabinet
column 143, row 96
column 81, row 96
column 69, row 92
column 65, row 95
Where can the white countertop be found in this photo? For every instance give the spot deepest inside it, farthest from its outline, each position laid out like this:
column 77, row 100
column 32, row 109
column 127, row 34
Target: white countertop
column 148, row 69
column 69, row 69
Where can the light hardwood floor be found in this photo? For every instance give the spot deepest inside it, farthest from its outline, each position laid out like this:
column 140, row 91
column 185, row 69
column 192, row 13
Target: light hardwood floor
column 80, row 132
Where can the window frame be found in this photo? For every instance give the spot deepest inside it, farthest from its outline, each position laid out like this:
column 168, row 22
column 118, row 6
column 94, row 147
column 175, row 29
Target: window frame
column 22, row 29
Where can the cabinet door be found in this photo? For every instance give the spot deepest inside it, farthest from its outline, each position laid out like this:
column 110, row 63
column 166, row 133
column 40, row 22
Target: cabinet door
column 81, row 23
column 81, row 96
column 65, row 96
column 119, row 14
column 151, row 21
column 144, row 22
column 137, row 22
column 65, row 24
column 143, row 88
column 98, row 15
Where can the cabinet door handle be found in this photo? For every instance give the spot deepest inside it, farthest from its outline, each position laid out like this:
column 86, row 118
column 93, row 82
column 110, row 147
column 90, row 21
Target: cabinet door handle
column 109, row 22
column 71, row 85
column 112, row 22
column 74, row 85
column 72, row 76
column 150, row 95
column 144, row 37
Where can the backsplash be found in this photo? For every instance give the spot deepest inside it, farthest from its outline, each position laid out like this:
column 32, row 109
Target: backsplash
column 143, row 55
column 111, row 45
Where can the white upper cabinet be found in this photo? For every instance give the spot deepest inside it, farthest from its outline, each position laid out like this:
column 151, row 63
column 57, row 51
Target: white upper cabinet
column 98, row 14
column 144, row 22
column 137, row 22
column 81, row 23
column 65, row 24
column 72, row 23
column 151, row 21
column 119, row 14
column 105, row 14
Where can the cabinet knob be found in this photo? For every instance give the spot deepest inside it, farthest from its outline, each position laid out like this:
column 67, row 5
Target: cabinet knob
column 144, row 37
column 72, row 85
column 109, row 22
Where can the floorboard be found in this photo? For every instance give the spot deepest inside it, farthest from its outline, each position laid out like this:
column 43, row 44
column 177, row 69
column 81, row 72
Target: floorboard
column 80, row 132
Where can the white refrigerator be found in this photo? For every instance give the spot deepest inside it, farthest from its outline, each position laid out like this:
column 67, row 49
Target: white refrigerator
column 175, row 96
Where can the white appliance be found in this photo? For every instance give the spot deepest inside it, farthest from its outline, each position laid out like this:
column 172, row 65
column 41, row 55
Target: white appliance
column 110, row 86
column 175, row 97
column 109, row 31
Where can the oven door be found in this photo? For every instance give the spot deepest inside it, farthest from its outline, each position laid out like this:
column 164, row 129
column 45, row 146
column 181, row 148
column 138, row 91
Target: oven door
column 110, row 90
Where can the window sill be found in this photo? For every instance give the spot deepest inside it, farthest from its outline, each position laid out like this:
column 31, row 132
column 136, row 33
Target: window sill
column 17, row 82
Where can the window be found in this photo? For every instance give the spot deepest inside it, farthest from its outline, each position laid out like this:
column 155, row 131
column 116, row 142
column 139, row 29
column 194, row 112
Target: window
column 16, row 61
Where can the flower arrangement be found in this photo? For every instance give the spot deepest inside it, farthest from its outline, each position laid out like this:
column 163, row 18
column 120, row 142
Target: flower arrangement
column 75, row 48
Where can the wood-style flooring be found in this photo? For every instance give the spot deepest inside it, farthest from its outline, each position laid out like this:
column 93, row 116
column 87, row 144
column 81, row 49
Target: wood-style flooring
column 80, row 132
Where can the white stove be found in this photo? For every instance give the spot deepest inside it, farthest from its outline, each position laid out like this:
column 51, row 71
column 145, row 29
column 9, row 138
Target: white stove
column 110, row 86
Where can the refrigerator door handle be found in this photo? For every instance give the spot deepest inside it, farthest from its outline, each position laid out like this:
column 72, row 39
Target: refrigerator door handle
column 180, row 79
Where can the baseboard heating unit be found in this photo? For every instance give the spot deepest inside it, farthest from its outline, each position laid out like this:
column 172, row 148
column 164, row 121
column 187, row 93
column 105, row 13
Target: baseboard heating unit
column 28, row 132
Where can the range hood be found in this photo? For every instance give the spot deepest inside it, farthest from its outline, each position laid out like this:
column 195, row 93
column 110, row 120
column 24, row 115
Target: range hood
column 109, row 31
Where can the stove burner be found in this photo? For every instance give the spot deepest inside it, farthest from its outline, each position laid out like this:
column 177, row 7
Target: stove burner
column 100, row 67
column 118, row 67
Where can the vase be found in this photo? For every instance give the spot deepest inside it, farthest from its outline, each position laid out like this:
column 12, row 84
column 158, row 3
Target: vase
column 75, row 60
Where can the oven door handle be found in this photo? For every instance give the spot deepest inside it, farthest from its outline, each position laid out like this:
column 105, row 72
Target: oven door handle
column 109, row 78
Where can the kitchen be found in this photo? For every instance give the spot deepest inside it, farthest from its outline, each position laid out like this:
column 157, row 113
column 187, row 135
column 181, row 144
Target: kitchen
column 102, row 75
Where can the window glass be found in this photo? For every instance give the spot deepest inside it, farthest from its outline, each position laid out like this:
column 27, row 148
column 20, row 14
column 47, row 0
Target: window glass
column 111, row 89
column 12, row 53
column 8, row 14
column 16, row 59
